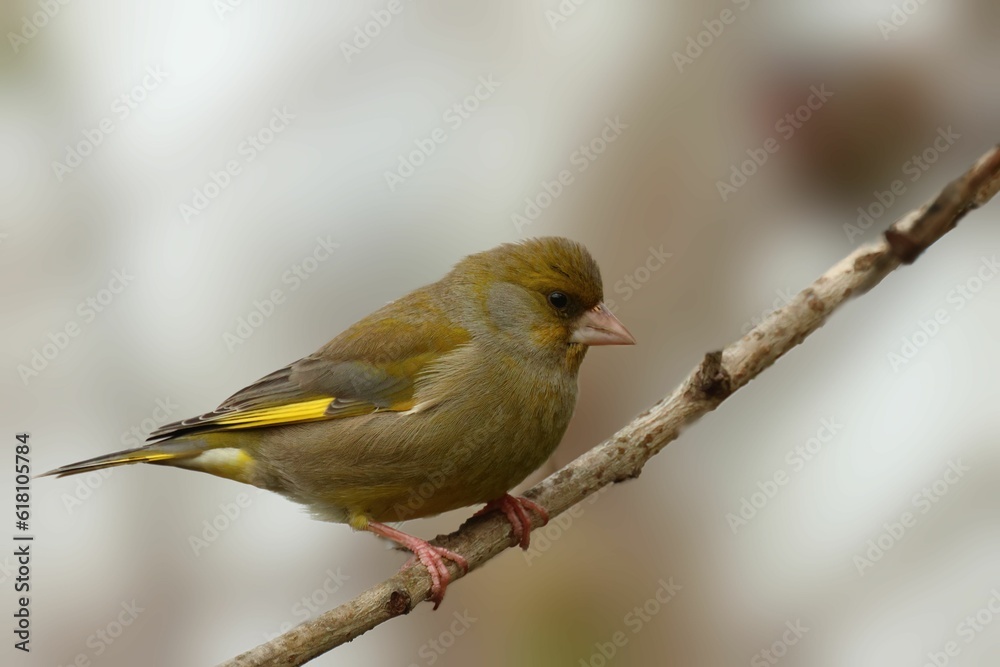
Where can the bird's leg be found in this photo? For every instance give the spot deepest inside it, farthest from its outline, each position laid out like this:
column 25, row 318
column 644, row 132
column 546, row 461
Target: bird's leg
column 430, row 556
column 516, row 509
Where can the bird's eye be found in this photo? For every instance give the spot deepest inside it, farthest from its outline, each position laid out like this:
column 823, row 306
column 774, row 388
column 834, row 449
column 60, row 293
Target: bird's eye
column 558, row 300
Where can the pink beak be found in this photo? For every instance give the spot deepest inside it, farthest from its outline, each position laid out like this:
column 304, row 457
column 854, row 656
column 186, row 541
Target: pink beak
column 599, row 326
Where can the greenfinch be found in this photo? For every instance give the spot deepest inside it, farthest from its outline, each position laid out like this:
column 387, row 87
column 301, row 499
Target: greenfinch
column 447, row 397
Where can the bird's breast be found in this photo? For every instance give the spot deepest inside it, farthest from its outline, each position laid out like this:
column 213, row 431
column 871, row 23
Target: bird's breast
column 503, row 422
column 477, row 428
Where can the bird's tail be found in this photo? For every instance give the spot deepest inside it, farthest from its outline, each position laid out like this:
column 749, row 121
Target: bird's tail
column 171, row 452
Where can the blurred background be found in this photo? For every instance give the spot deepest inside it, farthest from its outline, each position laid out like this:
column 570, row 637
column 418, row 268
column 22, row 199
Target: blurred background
column 193, row 194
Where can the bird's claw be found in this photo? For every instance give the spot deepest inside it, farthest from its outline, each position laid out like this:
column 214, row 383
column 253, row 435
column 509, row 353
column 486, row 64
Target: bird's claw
column 516, row 510
column 432, row 558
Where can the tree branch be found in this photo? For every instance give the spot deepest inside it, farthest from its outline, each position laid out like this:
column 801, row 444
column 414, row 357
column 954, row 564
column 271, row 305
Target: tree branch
column 622, row 456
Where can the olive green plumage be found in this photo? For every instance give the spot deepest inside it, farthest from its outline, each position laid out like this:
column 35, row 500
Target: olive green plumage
column 446, row 397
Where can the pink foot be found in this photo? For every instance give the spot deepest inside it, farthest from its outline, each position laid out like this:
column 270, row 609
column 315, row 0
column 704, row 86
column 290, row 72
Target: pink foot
column 430, row 556
column 516, row 508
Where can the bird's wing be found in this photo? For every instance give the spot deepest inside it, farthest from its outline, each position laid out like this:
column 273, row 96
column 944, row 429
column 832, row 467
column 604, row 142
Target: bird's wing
column 373, row 366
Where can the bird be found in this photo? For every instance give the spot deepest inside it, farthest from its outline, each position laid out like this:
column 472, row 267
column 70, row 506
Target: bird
column 445, row 398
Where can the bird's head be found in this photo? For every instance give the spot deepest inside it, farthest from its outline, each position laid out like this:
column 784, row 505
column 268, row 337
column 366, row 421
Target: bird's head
column 543, row 296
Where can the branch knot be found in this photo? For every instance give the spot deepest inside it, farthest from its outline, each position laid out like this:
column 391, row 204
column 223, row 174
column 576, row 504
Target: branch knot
column 711, row 381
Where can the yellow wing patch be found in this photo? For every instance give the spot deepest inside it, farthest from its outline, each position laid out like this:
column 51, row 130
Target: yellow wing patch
column 317, row 409
column 279, row 414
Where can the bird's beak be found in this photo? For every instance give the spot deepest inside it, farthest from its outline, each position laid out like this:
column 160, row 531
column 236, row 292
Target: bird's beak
column 599, row 326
